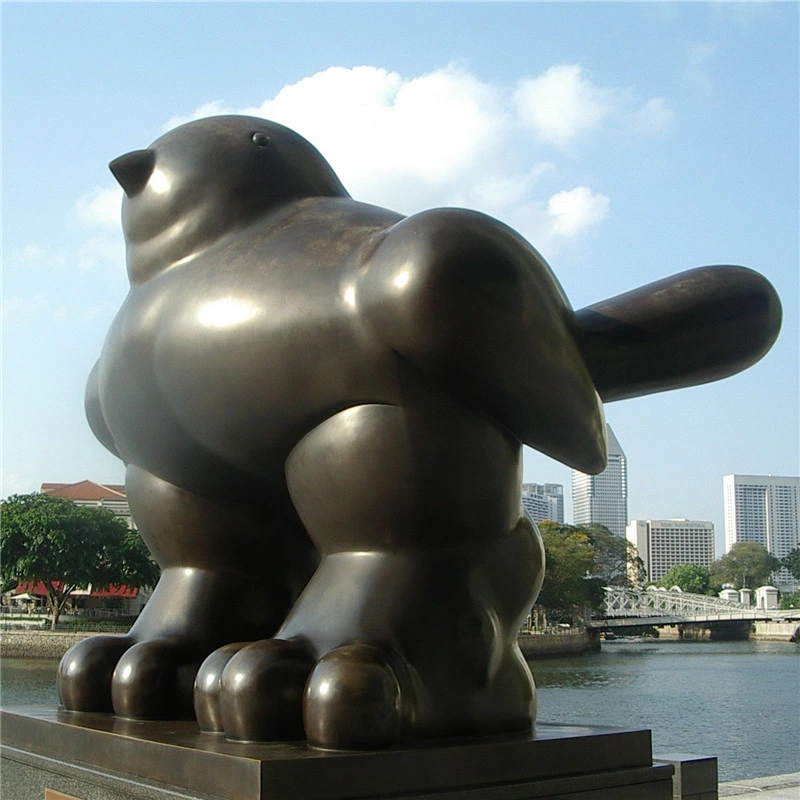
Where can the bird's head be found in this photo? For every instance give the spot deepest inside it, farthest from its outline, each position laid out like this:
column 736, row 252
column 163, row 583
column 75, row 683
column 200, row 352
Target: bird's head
column 206, row 178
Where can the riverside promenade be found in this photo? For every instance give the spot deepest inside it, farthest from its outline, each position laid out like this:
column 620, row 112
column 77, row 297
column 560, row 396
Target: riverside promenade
column 38, row 644
column 778, row 787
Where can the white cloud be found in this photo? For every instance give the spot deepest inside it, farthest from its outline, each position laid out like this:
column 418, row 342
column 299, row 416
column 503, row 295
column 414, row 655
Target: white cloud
column 562, row 104
column 102, row 250
column 100, row 207
column 44, row 279
column 575, row 211
column 19, row 482
column 29, row 254
column 105, row 249
column 697, row 61
column 20, row 310
column 34, row 256
column 507, row 191
column 210, row 109
column 654, row 118
column 448, row 138
column 426, row 132
column 91, row 313
column 32, row 308
column 743, row 15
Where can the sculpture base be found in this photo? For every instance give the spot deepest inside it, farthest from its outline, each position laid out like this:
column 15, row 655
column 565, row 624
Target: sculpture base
column 49, row 753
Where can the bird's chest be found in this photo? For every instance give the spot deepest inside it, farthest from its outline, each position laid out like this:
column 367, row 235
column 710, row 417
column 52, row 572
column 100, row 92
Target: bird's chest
column 233, row 353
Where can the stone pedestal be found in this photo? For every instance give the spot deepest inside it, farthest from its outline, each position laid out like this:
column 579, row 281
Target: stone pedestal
column 695, row 776
column 99, row 757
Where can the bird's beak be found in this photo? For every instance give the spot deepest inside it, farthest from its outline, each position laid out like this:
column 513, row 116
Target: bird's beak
column 133, row 170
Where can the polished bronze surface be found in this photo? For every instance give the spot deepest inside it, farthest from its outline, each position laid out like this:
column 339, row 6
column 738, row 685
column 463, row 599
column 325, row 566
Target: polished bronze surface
column 321, row 405
column 692, row 328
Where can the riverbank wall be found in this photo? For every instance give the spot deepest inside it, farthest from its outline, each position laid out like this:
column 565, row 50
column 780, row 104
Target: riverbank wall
column 37, row 644
column 44, row 644
column 775, row 787
column 727, row 631
column 788, row 631
column 559, row 645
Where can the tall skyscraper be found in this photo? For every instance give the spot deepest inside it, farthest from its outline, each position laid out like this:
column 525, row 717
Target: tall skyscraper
column 763, row 509
column 664, row 543
column 603, row 498
column 543, row 501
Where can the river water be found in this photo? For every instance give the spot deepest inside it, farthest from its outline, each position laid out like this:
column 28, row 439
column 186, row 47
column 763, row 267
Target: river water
column 739, row 701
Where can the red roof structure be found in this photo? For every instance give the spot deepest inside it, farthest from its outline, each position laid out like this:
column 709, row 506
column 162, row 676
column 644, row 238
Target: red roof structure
column 85, row 490
column 125, row 592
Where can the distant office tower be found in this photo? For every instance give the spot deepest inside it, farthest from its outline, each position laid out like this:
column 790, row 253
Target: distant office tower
column 603, row 498
column 544, row 501
column 663, row 543
column 763, row 509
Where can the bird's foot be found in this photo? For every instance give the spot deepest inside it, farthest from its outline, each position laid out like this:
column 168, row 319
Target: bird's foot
column 140, row 680
column 356, row 696
column 149, row 673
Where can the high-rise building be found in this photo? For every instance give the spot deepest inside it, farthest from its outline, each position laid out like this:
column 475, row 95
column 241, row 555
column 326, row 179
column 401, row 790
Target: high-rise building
column 603, row 498
column 543, row 501
column 763, row 509
column 664, row 543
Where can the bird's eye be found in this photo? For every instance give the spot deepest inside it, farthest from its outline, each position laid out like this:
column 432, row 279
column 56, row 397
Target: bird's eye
column 260, row 139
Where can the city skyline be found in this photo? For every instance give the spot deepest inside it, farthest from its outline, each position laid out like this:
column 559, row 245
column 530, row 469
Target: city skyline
column 626, row 142
column 603, row 498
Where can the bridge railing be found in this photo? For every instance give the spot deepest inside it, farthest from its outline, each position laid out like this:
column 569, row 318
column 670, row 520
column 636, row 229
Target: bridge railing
column 622, row 602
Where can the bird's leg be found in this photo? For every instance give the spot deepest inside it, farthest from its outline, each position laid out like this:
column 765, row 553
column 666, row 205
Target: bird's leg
column 222, row 580
column 408, row 627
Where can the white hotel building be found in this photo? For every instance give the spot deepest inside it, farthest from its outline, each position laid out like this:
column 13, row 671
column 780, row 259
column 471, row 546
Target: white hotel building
column 664, row 543
column 763, row 509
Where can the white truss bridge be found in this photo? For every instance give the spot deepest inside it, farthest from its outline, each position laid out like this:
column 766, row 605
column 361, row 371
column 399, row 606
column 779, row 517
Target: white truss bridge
column 625, row 608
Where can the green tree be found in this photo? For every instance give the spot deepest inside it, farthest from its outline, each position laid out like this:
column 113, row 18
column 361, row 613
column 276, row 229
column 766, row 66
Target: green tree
column 745, row 565
column 689, row 577
column 617, row 562
column 581, row 560
column 67, row 546
column 570, row 559
column 790, row 601
column 792, row 563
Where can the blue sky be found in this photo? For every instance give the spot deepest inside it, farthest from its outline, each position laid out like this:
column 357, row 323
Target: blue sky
column 626, row 141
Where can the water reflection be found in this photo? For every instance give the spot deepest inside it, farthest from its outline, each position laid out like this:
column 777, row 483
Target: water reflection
column 735, row 700
column 569, row 673
column 28, row 682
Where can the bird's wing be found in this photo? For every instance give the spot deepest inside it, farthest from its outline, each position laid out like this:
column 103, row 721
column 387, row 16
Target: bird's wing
column 692, row 328
column 474, row 306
